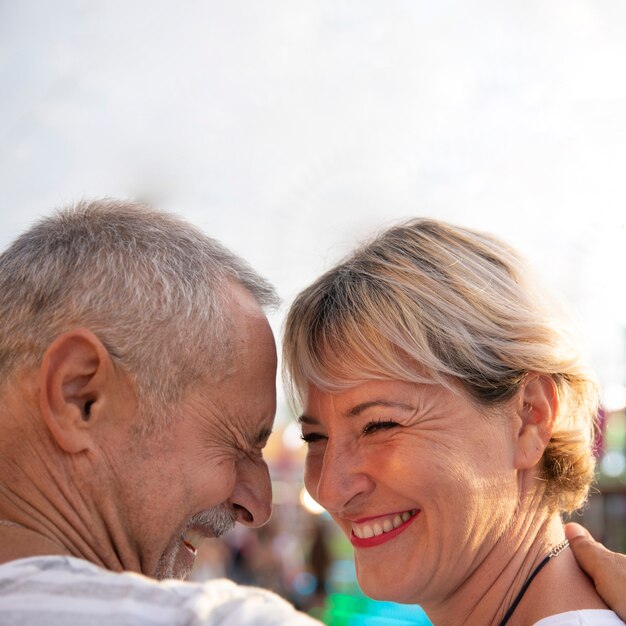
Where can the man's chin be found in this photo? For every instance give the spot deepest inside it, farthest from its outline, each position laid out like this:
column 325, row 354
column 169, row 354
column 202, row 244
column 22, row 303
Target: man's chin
column 176, row 573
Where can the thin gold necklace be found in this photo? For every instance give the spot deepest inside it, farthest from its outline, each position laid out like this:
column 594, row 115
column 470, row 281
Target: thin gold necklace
column 11, row 524
column 6, row 522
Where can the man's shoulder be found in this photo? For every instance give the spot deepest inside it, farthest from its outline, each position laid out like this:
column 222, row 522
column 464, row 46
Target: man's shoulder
column 76, row 590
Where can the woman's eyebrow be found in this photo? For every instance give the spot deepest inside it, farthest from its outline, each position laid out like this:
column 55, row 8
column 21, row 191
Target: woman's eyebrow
column 359, row 408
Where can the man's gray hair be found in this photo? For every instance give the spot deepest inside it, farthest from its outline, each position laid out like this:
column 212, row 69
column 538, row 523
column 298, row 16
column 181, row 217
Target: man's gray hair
column 152, row 287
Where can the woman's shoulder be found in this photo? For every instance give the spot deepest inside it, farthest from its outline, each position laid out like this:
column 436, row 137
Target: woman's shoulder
column 588, row 617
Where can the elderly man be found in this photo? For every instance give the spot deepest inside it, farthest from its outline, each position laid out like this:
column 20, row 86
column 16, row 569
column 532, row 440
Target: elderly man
column 138, row 392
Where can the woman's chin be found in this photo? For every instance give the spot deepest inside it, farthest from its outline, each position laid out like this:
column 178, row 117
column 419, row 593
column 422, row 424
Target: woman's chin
column 385, row 591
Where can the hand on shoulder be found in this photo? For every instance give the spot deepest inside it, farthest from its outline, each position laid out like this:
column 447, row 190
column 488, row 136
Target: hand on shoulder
column 607, row 569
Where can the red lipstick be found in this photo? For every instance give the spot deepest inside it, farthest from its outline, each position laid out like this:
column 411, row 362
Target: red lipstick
column 377, row 540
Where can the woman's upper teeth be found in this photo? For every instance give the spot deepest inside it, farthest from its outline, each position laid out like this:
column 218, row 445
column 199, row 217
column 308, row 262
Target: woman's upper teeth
column 366, row 530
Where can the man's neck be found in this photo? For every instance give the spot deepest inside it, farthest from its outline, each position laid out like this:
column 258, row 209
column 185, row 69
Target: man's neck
column 39, row 526
column 18, row 542
column 60, row 500
column 51, row 521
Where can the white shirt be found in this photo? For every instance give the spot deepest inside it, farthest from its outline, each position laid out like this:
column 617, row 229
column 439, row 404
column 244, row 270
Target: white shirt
column 66, row 591
column 589, row 617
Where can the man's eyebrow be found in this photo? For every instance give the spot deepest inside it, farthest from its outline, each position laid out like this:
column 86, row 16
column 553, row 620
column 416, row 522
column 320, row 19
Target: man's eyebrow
column 307, row 419
column 359, row 408
column 262, row 437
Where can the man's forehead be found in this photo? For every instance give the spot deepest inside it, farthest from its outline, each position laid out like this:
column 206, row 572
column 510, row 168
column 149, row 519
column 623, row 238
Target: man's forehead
column 247, row 346
column 235, row 407
column 250, row 328
column 241, row 300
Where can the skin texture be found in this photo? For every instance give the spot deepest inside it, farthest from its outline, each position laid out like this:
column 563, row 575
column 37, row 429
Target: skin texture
column 606, row 568
column 424, row 464
column 93, row 485
column 387, row 447
column 78, row 475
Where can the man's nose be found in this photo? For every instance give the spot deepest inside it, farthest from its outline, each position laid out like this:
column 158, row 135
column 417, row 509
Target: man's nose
column 252, row 496
column 343, row 480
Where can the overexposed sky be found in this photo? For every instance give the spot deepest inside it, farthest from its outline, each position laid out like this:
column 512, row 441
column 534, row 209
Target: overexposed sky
column 291, row 130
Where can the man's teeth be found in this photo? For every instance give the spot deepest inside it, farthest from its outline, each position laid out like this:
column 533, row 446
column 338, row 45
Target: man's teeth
column 379, row 527
column 192, row 540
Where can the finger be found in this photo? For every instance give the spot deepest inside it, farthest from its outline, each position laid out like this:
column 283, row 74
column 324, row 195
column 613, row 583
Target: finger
column 588, row 552
column 574, row 530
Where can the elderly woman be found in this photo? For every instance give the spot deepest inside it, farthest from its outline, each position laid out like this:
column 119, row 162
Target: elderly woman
column 449, row 422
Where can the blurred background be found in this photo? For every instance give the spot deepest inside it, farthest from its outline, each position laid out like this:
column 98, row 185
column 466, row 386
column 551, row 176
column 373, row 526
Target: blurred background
column 293, row 130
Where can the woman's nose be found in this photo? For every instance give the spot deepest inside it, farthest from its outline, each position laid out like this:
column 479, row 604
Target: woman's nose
column 341, row 481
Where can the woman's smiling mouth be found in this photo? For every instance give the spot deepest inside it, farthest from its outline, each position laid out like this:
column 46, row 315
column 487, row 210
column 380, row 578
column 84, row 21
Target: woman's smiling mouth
column 374, row 531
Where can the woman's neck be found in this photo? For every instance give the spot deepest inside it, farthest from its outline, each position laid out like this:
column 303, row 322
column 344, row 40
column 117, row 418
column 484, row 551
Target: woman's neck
column 486, row 596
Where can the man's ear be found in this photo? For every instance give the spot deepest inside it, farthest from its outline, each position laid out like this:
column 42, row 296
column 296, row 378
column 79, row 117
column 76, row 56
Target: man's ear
column 73, row 375
column 537, row 409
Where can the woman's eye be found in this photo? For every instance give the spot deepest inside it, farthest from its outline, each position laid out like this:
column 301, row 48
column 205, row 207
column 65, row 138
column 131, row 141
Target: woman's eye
column 312, row 437
column 378, row 425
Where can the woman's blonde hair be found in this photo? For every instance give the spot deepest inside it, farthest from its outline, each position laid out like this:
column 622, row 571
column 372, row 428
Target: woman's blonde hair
column 430, row 302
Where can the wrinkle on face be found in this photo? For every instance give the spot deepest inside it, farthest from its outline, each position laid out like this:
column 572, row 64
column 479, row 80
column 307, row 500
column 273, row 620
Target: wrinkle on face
column 443, row 457
column 155, row 484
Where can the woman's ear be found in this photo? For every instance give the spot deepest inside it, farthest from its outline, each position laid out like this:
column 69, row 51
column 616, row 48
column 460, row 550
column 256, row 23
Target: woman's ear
column 537, row 409
column 73, row 376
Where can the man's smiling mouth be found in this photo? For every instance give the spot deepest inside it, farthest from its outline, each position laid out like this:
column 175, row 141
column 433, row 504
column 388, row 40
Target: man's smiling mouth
column 192, row 540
